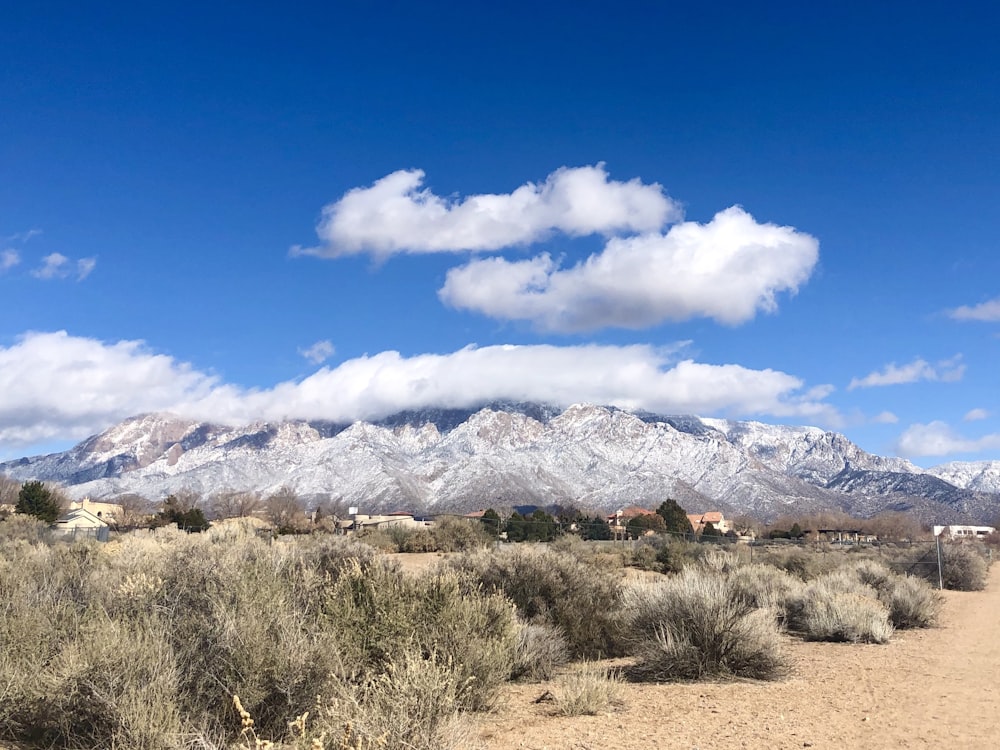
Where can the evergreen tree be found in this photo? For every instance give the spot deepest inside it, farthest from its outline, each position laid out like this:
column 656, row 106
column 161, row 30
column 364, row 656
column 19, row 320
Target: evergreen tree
column 35, row 499
column 516, row 527
column 191, row 520
column 542, row 527
column 710, row 533
column 674, row 517
column 491, row 519
column 639, row 525
column 595, row 529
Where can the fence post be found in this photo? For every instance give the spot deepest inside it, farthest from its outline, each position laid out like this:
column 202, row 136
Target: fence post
column 940, row 572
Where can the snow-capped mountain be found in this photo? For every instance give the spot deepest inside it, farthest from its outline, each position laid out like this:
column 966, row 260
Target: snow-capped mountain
column 519, row 454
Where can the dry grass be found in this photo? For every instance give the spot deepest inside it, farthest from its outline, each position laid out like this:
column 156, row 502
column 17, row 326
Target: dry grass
column 588, row 691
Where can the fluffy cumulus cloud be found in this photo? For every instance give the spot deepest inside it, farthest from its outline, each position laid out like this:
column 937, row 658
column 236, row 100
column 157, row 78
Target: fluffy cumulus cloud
column 938, row 439
column 55, row 386
column 727, row 270
column 947, row 371
column 318, row 352
column 974, row 415
column 398, row 215
column 986, row 311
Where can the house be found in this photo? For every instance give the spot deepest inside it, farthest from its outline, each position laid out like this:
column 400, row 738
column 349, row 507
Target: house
column 618, row 521
column 700, row 520
column 964, row 532
column 397, row 519
column 81, row 524
column 108, row 512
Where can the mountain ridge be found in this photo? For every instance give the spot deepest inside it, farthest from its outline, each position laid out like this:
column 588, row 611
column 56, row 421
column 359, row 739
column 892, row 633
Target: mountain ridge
column 516, row 453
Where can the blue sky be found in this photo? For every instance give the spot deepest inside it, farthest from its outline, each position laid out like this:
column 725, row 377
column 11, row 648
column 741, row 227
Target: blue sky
column 784, row 213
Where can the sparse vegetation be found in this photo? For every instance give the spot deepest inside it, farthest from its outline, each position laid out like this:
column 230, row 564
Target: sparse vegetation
column 692, row 626
column 588, row 691
column 839, row 607
column 576, row 596
column 143, row 642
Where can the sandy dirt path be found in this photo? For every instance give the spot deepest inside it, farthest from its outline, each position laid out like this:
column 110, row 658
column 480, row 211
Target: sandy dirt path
column 926, row 689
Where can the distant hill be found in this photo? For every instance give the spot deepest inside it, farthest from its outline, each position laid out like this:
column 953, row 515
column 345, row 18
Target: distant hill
column 508, row 454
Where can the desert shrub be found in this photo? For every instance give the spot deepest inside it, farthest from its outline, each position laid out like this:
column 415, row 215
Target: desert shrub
column 379, row 539
column 691, row 626
column 412, row 705
column 875, row 574
column 912, row 603
column 578, row 597
column 380, row 613
column 541, row 650
column 643, row 556
column 763, row 586
column 461, row 534
column 240, row 625
column 588, row 691
column 113, row 686
column 413, row 540
column 838, row 607
column 676, row 554
column 803, row 564
column 330, row 555
column 717, row 560
column 963, row 569
column 22, row 527
column 142, row 643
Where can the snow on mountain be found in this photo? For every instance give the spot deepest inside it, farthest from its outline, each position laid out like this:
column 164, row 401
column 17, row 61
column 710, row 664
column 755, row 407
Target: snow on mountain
column 517, row 454
column 983, row 476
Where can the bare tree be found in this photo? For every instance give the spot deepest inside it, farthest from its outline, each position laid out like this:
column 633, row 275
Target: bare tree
column 235, row 504
column 9, row 490
column 186, row 499
column 133, row 511
column 285, row 510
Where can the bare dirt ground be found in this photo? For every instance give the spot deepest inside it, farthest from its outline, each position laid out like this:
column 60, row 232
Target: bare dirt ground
column 926, row 689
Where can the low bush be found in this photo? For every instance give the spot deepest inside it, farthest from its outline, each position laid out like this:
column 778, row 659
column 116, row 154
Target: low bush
column 588, row 691
column 963, row 568
column 911, row 601
column 462, row 534
column 541, row 650
column 692, row 626
column 838, row 607
column 578, row 597
column 763, row 586
column 142, row 643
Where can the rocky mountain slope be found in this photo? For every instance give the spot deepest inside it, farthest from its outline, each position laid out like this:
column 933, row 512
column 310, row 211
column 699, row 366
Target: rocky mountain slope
column 517, row 454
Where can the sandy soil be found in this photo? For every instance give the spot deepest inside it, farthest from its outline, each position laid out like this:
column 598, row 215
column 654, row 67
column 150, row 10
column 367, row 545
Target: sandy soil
column 926, row 689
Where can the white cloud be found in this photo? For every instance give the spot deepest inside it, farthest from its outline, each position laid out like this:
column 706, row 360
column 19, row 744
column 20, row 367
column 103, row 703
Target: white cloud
column 22, row 237
column 84, row 266
column 938, row 439
column 947, row 371
column 9, row 259
column 885, row 417
column 395, row 215
column 53, row 267
column 318, row 352
column 727, row 269
column 53, row 385
column 56, row 386
column 974, row 415
column 985, row 311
